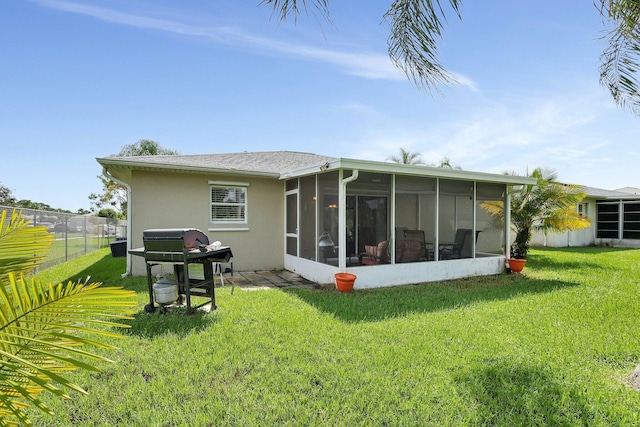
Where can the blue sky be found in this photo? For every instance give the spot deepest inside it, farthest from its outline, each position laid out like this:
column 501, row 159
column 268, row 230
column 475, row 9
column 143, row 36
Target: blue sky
column 80, row 79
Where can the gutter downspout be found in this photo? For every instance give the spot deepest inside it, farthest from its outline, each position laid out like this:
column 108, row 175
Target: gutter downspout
column 107, row 175
column 342, row 218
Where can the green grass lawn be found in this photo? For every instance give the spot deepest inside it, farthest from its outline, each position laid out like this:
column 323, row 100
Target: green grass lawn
column 553, row 346
column 69, row 246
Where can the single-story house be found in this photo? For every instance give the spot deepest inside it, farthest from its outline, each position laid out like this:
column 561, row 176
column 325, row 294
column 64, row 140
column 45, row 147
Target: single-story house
column 314, row 215
column 615, row 221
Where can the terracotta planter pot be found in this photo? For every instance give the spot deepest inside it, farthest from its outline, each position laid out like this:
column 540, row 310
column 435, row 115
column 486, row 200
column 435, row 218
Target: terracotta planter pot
column 345, row 281
column 516, row 265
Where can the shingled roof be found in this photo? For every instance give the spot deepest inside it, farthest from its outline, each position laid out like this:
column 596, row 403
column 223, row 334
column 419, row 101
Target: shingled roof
column 263, row 162
column 622, row 193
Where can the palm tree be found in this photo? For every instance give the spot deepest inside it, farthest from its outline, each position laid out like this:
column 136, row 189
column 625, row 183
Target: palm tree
column 43, row 327
column 407, row 158
column 417, row 26
column 446, row 164
column 547, row 206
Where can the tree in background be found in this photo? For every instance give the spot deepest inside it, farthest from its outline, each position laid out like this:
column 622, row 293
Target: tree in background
column 6, row 196
column 417, row 27
column 446, row 163
column 144, row 147
column 109, row 213
column 406, row 157
column 28, row 204
column 114, row 194
column 8, row 199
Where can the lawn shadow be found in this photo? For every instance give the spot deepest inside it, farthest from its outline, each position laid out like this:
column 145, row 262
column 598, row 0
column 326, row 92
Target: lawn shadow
column 172, row 321
column 398, row 301
column 505, row 393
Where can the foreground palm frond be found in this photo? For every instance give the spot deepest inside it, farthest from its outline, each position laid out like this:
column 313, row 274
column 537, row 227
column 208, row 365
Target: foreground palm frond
column 43, row 329
column 620, row 61
column 22, row 247
column 416, row 28
column 286, row 8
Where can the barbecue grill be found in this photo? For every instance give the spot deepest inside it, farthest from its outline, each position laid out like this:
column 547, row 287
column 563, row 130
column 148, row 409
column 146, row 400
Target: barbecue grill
column 182, row 247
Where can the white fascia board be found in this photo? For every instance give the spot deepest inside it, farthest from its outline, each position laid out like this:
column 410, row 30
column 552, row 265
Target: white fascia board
column 621, row 198
column 415, row 170
column 106, row 162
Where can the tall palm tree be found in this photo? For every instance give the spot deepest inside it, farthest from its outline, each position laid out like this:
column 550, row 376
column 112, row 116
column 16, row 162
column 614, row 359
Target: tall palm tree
column 44, row 327
column 547, row 205
column 417, row 27
column 406, row 157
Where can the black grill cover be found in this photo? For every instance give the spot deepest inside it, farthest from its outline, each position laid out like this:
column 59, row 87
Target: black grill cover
column 173, row 239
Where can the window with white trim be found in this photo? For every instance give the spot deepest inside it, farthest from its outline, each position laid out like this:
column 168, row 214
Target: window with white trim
column 583, row 209
column 228, row 202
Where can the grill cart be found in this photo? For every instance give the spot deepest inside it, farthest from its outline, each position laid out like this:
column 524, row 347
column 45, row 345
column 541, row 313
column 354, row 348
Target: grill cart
column 183, row 247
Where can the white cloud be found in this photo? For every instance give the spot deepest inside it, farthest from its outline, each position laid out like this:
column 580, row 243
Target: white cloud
column 560, row 132
column 465, row 81
column 365, row 65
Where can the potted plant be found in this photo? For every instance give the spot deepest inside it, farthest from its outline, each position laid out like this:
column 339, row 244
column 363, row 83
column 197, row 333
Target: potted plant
column 518, row 257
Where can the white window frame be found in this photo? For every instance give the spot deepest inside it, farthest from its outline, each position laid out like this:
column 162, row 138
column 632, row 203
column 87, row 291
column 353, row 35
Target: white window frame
column 242, row 186
column 583, row 209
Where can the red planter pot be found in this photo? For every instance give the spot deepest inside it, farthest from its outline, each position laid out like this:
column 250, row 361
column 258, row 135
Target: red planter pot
column 516, row 265
column 345, row 281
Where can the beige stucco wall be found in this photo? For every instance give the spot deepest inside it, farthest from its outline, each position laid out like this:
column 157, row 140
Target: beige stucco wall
column 182, row 200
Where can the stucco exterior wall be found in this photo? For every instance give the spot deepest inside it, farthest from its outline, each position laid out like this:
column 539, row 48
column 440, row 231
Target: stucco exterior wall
column 182, row 200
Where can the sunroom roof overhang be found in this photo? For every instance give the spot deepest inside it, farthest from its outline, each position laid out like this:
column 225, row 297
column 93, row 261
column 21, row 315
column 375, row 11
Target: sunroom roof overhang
column 410, row 170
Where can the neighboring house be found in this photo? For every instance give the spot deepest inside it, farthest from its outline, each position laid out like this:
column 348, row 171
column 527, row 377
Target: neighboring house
column 615, row 216
column 317, row 215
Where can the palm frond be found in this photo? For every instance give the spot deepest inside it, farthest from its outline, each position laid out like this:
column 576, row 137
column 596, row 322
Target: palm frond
column 416, row 27
column 495, row 208
column 292, row 8
column 43, row 329
column 22, row 247
column 563, row 220
column 545, row 206
column 407, row 157
column 620, row 60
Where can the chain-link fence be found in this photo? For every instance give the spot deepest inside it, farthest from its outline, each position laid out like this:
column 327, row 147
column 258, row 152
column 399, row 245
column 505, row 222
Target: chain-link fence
column 75, row 234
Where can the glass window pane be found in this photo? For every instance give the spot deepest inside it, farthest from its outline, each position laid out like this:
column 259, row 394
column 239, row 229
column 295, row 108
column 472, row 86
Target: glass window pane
column 228, row 204
column 292, row 214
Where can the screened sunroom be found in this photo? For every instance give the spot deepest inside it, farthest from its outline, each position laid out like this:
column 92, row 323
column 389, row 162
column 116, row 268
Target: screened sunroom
column 392, row 224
